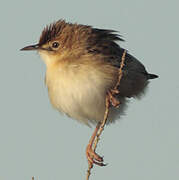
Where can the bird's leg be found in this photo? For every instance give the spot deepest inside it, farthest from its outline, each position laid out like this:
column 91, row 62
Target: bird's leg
column 113, row 101
column 90, row 150
column 92, row 157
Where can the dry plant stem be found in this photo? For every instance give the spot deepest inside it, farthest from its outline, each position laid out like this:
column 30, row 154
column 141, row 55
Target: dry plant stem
column 120, row 70
column 101, row 128
column 108, row 102
column 88, row 173
column 114, row 91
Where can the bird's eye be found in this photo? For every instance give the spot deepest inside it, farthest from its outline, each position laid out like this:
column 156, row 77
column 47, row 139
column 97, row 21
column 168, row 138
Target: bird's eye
column 55, row 44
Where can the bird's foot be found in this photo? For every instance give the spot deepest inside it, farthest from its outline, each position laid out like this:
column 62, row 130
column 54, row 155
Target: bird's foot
column 113, row 100
column 93, row 158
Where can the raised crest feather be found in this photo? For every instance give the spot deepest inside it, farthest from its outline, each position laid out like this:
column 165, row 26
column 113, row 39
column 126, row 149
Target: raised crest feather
column 51, row 31
column 55, row 29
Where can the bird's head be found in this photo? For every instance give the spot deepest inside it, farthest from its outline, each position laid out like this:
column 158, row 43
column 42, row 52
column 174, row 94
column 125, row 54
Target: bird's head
column 65, row 41
column 61, row 40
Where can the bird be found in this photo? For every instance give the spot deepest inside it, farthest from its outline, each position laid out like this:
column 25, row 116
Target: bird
column 82, row 70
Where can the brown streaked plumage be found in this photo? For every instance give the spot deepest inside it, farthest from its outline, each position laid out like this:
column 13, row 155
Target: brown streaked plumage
column 82, row 69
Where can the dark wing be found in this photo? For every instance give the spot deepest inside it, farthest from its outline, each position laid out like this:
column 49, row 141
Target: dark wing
column 135, row 76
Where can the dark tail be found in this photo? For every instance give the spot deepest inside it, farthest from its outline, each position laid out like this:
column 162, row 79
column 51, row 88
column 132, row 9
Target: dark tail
column 151, row 76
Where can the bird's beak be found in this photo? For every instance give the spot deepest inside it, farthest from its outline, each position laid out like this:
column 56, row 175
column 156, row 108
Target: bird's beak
column 31, row 47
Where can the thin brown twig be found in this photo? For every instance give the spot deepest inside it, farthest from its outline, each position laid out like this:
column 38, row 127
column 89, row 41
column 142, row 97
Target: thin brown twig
column 101, row 128
column 120, row 70
column 107, row 101
column 88, row 172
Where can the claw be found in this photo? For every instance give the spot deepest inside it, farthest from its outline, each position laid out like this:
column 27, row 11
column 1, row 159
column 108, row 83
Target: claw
column 99, row 164
column 114, row 102
column 115, row 91
column 93, row 158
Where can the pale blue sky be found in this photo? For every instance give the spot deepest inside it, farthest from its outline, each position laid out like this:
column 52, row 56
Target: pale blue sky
column 38, row 141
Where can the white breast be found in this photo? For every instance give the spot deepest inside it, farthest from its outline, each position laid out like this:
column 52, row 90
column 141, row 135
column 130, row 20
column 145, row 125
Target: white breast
column 79, row 91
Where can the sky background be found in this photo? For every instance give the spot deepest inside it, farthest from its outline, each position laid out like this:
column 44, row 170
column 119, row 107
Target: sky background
column 36, row 140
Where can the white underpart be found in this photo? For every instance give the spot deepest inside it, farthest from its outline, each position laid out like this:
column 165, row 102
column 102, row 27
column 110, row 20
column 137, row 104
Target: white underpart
column 79, row 91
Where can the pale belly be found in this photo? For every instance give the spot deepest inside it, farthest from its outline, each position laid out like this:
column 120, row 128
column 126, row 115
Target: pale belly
column 79, row 94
